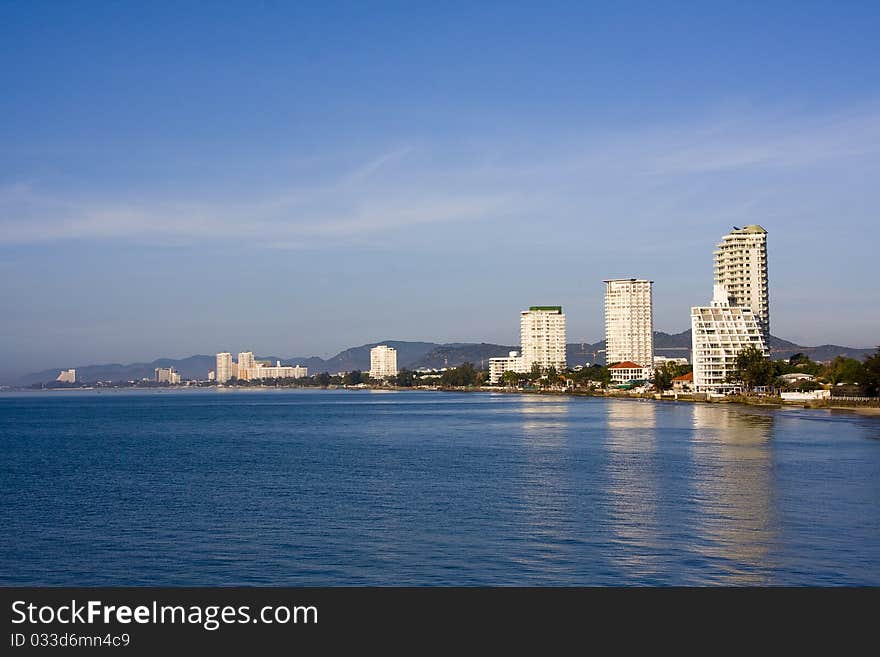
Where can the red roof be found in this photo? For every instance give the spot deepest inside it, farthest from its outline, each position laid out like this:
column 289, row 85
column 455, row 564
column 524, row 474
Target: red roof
column 626, row 365
column 685, row 377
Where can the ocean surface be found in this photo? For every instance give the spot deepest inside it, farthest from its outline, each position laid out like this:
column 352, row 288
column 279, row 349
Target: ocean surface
column 307, row 487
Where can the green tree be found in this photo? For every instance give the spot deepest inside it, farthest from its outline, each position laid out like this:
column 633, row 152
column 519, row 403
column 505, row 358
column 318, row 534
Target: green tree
column 663, row 376
column 461, row 376
column 510, row 378
column 844, row 370
column 405, row 378
column 871, row 376
column 323, row 379
column 753, row 369
column 594, row 373
column 535, row 372
column 551, row 376
column 353, row 378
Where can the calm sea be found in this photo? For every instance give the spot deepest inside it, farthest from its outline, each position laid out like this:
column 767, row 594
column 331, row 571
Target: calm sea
column 412, row 488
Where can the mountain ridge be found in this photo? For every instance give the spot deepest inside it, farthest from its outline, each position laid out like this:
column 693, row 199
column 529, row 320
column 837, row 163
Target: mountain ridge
column 413, row 355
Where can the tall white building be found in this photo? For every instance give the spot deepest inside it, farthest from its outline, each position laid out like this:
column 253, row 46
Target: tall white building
column 719, row 332
column 245, row 360
column 513, row 362
column 741, row 268
column 542, row 336
column 629, row 322
column 167, row 375
column 226, row 369
column 383, row 362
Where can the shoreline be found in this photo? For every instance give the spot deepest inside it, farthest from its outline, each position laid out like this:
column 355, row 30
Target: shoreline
column 864, row 411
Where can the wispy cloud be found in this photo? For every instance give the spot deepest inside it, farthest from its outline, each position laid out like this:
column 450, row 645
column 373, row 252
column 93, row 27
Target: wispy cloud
column 653, row 172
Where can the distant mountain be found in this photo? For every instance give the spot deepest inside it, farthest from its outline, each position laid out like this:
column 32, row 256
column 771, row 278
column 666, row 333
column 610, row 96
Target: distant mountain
column 413, row 355
column 358, row 358
column 452, row 355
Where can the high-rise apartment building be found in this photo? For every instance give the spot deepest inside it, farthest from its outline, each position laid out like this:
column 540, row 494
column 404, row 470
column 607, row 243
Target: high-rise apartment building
column 245, row 360
column 629, row 322
column 167, row 375
column 383, row 362
column 226, row 369
column 719, row 332
column 741, row 268
column 542, row 336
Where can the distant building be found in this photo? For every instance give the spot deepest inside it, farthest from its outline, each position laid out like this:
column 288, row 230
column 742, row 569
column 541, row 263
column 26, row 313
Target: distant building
column 245, row 360
column 226, row 369
column 660, row 361
column 67, row 376
column 249, row 369
column 511, row 363
column 211, row 375
column 167, row 375
column 542, row 336
column 629, row 322
column 260, row 370
column 383, row 362
column 741, row 268
column 797, row 376
column 626, row 372
column 719, row 332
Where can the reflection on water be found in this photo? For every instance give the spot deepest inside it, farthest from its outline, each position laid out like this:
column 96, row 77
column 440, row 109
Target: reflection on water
column 546, row 490
column 734, row 490
column 545, row 420
column 336, row 488
column 630, row 441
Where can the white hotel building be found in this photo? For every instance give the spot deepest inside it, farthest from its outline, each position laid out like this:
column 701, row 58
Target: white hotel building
column 542, row 336
column 741, row 268
column 249, row 369
column 383, row 362
column 629, row 323
column 718, row 333
column 226, row 369
column 167, row 375
column 511, row 363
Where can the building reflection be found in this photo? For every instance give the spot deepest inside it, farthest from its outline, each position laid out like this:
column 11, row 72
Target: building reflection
column 544, row 419
column 632, row 484
column 733, row 490
column 545, row 489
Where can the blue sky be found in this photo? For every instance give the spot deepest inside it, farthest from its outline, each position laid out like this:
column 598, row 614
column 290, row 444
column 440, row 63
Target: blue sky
column 297, row 178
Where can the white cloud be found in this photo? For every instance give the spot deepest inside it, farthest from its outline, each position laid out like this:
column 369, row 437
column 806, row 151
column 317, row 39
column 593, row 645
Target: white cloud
column 650, row 175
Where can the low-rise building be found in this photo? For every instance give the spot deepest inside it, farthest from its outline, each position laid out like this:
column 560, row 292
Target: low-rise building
column 262, row 370
column 513, row 362
column 626, row 372
column 797, row 376
column 67, row 376
column 683, row 383
column 660, row 361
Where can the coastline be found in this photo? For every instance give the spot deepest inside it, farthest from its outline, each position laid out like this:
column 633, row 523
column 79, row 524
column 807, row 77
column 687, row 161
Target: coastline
column 866, row 410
